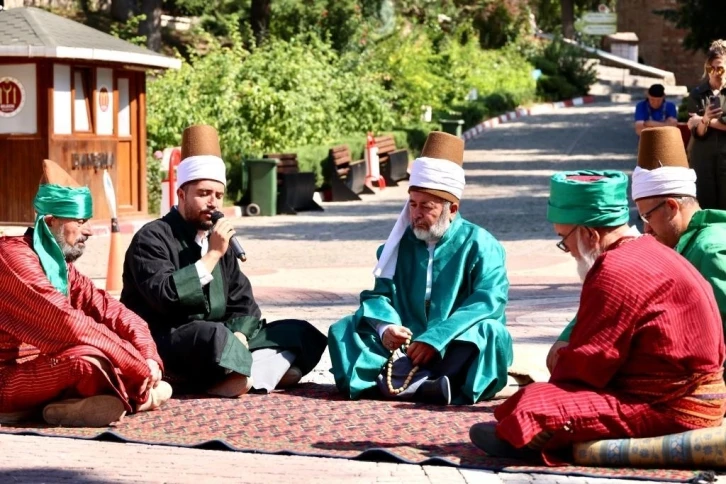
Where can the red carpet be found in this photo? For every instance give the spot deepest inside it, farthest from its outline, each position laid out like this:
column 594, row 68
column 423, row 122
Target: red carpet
column 313, row 420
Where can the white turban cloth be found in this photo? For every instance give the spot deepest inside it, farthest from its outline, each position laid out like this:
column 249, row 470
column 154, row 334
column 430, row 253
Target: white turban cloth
column 429, row 173
column 202, row 167
column 666, row 180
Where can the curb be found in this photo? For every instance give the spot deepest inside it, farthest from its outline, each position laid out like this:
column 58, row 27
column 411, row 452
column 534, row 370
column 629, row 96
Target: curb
column 132, row 226
column 474, row 131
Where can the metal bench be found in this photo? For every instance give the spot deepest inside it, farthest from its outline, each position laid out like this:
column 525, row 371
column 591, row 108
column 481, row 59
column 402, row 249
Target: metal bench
column 295, row 189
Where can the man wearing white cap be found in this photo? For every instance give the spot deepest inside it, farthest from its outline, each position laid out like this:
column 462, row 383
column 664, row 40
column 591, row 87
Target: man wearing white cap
column 664, row 189
column 183, row 278
column 433, row 327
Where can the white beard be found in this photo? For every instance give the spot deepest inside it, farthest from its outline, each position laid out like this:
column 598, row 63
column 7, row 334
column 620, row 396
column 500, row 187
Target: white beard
column 586, row 260
column 437, row 230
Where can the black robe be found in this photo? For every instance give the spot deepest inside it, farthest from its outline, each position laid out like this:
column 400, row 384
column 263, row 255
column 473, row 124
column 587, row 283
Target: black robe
column 192, row 325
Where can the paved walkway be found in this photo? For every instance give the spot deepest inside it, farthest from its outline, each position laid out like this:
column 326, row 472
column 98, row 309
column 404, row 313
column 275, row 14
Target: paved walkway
column 313, row 266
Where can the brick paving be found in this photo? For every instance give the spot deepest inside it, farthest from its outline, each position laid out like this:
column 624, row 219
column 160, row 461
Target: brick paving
column 314, row 265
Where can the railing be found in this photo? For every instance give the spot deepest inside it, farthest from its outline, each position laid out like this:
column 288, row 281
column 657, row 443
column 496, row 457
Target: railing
column 668, row 77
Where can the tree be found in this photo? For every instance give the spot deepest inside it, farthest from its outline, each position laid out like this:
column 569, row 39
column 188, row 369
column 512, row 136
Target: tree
column 122, row 10
column 568, row 18
column 700, row 19
column 260, row 13
column 151, row 25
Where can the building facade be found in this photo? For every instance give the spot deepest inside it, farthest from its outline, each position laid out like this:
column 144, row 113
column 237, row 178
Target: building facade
column 661, row 43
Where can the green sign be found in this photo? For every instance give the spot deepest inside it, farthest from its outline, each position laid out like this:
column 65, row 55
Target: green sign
column 600, row 18
column 597, row 23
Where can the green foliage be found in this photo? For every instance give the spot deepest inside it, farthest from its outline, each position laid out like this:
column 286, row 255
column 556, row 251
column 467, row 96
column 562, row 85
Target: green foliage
column 283, row 94
column 129, row 30
column 566, row 71
column 683, row 110
column 700, row 19
column 154, row 176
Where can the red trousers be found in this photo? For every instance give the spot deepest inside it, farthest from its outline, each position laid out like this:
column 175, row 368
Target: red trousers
column 572, row 414
column 28, row 385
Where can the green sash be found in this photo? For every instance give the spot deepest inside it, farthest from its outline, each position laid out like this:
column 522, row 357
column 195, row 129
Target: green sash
column 60, row 202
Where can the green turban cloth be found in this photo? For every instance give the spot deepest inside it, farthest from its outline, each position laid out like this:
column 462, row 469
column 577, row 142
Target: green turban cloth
column 589, row 198
column 61, row 202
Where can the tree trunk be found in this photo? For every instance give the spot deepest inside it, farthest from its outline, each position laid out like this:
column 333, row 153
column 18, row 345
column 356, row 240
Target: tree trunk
column 122, row 10
column 151, row 26
column 260, row 19
column 568, row 18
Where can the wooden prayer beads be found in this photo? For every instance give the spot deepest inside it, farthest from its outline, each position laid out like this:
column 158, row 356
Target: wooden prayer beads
column 389, row 371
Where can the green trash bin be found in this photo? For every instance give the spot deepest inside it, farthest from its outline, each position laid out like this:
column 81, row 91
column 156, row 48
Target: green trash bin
column 452, row 126
column 262, row 185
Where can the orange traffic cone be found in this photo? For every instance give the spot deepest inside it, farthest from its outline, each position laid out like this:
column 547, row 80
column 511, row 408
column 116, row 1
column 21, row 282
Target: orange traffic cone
column 114, row 282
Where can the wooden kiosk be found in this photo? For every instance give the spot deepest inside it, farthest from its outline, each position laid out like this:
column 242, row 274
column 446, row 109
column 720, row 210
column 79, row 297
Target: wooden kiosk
column 74, row 95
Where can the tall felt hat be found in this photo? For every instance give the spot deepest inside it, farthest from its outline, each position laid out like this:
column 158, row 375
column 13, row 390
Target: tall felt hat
column 53, row 174
column 662, row 165
column 662, row 146
column 446, row 149
column 201, row 156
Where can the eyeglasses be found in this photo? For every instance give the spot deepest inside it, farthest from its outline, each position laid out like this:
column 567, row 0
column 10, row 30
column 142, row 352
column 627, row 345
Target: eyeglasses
column 645, row 217
column 561, row 244
column 718, row 70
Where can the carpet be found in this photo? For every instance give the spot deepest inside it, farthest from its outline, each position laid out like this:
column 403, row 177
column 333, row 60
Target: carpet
column 313, row 420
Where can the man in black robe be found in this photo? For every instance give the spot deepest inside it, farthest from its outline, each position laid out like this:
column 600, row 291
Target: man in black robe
column 183, row 278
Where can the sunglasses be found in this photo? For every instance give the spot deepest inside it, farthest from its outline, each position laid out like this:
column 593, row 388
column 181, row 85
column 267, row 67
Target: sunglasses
column 718, row 70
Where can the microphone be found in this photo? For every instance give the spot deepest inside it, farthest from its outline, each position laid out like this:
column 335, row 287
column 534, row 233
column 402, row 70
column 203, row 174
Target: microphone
column 239, row 252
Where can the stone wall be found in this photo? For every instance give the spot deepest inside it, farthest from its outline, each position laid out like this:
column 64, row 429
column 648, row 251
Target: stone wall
column 660, row 42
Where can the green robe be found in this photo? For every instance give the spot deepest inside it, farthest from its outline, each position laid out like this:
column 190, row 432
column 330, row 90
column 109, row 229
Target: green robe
column 703, row 244
column 468, row 297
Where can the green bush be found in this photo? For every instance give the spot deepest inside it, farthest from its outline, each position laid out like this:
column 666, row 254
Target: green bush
column 683, row 110
column 566, row 71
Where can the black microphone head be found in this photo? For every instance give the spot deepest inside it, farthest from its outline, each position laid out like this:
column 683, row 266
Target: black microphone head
column 216, row 216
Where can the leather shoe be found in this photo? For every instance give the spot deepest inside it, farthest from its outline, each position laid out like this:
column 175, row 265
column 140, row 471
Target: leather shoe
column 436, row 392
column 484, row 436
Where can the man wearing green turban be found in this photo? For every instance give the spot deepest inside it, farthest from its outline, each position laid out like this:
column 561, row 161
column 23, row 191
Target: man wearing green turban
column 66, row 346
column 628, row 370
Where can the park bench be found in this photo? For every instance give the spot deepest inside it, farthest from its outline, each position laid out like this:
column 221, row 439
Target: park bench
column 295, row 189
column 346, row 176
column 393, row 162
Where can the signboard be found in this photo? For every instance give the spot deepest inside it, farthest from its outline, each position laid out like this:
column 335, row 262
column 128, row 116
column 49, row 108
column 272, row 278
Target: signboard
column 12, row 97
column 602, row 22
column 599, row 29
column 600, row 18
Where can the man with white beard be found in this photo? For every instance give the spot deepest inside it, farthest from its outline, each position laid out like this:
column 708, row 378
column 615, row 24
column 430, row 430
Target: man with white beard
column 433, row 327
column 67, row 347
column 629, row 370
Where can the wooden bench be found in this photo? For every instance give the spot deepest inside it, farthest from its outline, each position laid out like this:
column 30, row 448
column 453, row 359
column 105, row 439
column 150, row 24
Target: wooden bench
column 345, row 176
column 295, row 189
column 393, row 162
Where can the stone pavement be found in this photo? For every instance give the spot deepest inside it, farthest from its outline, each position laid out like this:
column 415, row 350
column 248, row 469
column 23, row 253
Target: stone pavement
column 314, row 265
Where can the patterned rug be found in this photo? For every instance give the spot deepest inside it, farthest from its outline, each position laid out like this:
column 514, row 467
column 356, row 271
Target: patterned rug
column 313, row 420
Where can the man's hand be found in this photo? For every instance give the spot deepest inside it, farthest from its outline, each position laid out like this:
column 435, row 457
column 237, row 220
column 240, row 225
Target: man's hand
column 394, row 336
column 421, row 353
column 554, row 355
column 155, row 377
column 222, row 231
column 243, row 339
